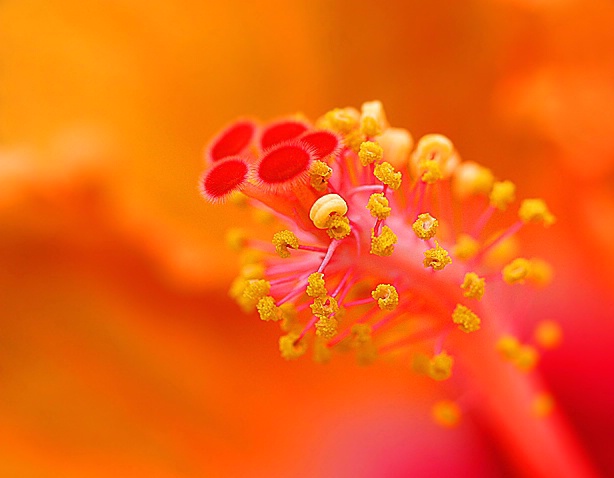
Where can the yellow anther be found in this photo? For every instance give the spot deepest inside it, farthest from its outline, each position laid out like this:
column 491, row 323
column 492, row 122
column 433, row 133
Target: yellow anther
column 268, row 310
column 430, row 171
column 282, row 240
column 446, row 413
column 535, row 210
column 466, row 320
column 421, row 363
column 527, row 358
column 397, row 144
column 378, row 206
column 473, row 286
column 516, row 271
column 237, row 287
column 289, row 347
column 503, row 193
column 509, row 347
column 437, row 258
column 542, row 405
column 238, row 198
column 316, row 286
column 383, row 245
column 425, row 226
column 548, row 334
column 321, row 353
column 338, row 227
column 319, row 174
column 440, row 366
column 342, row 120
column 502, row 253
column 253, row 271
column 387, row 296
column 362, row 340
column 326, row 327
column 471, row 179
column 386, row 174
column 324, row 307
column 262, row 216
column 433, row 158
column 250, row 256
column 433, row 147
column 254, row 291
column 361, row 333
column 540, row 272
column 466, row 247
column 289, row 317
column 236, row 239
column 373, row 119
column 370, row 152
column 325, row 206
column 353, row 140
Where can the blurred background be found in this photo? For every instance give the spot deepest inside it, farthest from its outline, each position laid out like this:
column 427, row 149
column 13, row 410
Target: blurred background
column 120, row 352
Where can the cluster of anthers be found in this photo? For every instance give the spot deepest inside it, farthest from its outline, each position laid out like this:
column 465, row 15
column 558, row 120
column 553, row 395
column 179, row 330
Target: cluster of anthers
column 384, row 246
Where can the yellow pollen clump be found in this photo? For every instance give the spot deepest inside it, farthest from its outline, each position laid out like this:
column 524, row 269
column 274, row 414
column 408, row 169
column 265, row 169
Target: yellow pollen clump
column 237, row 287
column 425, row 226
column 361, row 333
column 236, row 239
column 440, row 366
column 466, row 247
column 253, row 271
column 372, row 119
column 470, row 179
column 282, row 240
column 268, row 310
column 321, row 353
column 508, row 346
column 526, row 358
column 383, row 245
column 326, row 327
column 378, row 206
column 316, row 286
column 385, row 173
column 387, row 296
column 362, row 340
column 338, row 227
column 353, row 140
column 473, row 286
column 548, row 334
column 254, row 291
column 535, row 210
column 250, row 256
column 516, row 271
column 540, row 273
column 466, row 320
column 263, row 216
column 324, row 207
column 430, row 171
column 446, row 413
column 370, row 152
column 340, row 120
column 289, row 317
column 319, row 174
column 437, row 258
column 503, row 194
column 324, row 307
column 289, row 348
column 542, row 405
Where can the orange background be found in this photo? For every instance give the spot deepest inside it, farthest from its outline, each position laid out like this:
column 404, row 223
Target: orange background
column 119, row 350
